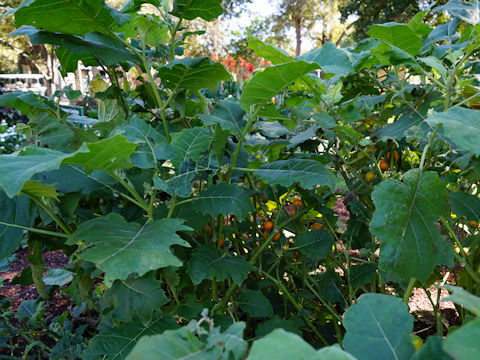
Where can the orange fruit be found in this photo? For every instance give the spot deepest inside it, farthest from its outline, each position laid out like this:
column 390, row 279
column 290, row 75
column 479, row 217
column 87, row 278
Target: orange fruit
column 395, row 156
column 317, row 226
column 297, row 203
column 276, row 237
column 268, row 225
column 292, row 212
column 383, row 165
column 221, row 241
column 473, row 224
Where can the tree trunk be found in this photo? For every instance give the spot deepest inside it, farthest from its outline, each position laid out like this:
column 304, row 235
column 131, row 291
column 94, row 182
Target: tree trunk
column 298, row 34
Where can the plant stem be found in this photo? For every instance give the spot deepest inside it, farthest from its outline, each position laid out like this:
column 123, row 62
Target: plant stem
column 409, row 289
column 295, row 304
column 55, row 218
column 38, row 231
column 140, row 201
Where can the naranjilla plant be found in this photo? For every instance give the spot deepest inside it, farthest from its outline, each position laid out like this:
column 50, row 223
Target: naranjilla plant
column 200, row 224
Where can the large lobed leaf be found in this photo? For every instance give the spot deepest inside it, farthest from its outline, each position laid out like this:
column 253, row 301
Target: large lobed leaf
column 308, row 173
column 193, row 74
column 330, row 58
column 208, row 263
column 120, row 249
column 398, row 35
column 405, row 223
column 191, row 9
column 461, row 126
column 378, row 327
column 226, row 199
column 107, row 155
column 269, row 82
column 75, row 17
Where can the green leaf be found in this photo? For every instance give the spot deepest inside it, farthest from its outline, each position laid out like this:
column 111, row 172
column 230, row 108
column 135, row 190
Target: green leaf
column 432, row 349
column 136, row 296
column 379, row 324
column 463, row 10
column 464, row 298
column 362, row 274
column 117, row 343
column 334, row 352
column 153, row 31
column 16, row 211
column 405, row 223
column 191, row 9
column 172, row 344
column 398, row 35
column 181, row 183
column 269, row 52
column 463, row 343
column 316, row 243
column 89, row 49
column 191, row 143
column 192, row 74
column 330, row 58
column 207, row 263
column 75, row 17
column 436, row 64
column 465, row 205
column 226, row 199
column 37, row 190
column 16, row 169
column 228, row 115
column 232, row 341
column 269, row 82
column 59, row 277
column 152, row 146
column 107, row 155
column 119, row 248
column 307, row 173
column 255, row 304
column 461, row 126
column 282, row 345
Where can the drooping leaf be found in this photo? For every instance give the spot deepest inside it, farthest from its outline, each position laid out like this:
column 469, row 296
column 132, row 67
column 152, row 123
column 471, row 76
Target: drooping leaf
column 381, row 324
column 255, row 304
column 330, row 58
column 463, row 343
column 226, row 199
column 268, row 51
column 117, row 343
column 465, row 205
column 152, row 146
column 191, row 144
column 37, row 190
column 404, row 222
column 136, row 296
column 227, row 114
column 316, row 243
column 119, row 248
column 307, row 173
column 191, row 9
column 75, row 17
column 192, row 74
column 16, row 211
column 269, row 82
column 398, row 35
column 461, row 126
column 207, row 263
column 89, row 49
column 464, row 298
column 464, row 10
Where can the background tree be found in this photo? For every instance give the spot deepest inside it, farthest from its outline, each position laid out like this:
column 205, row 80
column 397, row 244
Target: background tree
column 371, row 12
